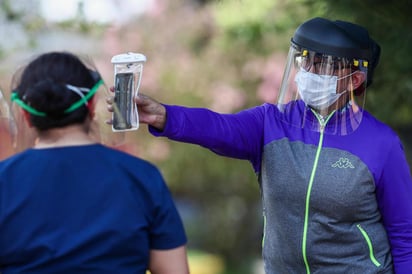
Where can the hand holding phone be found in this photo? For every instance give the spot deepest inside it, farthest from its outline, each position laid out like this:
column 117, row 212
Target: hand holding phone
column 128, row 68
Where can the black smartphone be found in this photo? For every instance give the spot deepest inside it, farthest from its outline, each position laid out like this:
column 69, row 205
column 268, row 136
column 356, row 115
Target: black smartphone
column 123, row 101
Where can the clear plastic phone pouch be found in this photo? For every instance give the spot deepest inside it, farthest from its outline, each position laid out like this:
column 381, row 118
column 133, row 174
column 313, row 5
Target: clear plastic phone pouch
column 128, row 69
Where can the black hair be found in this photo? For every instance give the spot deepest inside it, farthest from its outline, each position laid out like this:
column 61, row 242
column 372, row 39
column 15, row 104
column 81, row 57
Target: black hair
column 42, row 86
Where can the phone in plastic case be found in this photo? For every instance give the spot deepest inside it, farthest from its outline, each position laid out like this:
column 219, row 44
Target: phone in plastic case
column 123, row 101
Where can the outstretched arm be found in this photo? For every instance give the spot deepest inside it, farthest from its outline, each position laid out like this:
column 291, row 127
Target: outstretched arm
column 237, row 135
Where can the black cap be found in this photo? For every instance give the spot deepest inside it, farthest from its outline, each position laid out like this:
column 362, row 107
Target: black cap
column 338, row 38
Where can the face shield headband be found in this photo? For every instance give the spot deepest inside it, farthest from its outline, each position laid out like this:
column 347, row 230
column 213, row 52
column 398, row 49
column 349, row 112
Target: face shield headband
column 78, row 90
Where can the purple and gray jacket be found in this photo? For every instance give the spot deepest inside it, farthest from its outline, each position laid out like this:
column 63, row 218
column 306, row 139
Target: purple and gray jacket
column 331, row 203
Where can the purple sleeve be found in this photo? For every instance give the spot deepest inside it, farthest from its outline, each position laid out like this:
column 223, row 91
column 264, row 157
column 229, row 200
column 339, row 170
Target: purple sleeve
column 233, row 135
column 394, row 194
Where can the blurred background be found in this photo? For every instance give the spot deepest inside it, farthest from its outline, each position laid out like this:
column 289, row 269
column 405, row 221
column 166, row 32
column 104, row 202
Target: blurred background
column 226, row 55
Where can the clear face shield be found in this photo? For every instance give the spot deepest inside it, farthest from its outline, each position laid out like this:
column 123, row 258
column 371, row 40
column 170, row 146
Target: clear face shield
column 322, row 92
column 8, row 129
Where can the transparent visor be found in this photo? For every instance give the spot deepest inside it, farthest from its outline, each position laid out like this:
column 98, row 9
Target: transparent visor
column 8, row 128
column 24, row 136
column 322, row 92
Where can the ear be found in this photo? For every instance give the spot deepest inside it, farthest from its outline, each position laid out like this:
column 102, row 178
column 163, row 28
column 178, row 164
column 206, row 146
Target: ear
column 27, row 118
column 91, row 105
column 358, row 78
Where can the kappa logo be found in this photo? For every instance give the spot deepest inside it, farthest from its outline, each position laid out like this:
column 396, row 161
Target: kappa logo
column 343, row 163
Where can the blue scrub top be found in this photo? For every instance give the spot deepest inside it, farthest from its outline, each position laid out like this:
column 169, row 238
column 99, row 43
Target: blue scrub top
column 83, row 209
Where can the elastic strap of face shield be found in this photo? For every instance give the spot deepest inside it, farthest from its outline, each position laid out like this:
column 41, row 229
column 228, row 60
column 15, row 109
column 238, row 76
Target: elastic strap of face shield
column 83, row 100
column 90, row 92
column 15, row 98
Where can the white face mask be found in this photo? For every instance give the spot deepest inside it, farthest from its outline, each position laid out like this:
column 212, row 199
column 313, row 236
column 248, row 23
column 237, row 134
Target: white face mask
column 317, row 91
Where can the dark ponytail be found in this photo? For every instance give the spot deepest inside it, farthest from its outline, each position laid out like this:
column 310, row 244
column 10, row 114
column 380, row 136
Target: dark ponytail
column 43, row 87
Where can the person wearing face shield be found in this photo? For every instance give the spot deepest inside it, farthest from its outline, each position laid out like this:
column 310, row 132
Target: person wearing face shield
column 335, row 185
column 72, row 205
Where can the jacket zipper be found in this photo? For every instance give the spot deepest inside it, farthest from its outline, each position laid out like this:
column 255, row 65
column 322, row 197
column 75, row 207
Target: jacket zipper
column 322, row 123
column 369, row 242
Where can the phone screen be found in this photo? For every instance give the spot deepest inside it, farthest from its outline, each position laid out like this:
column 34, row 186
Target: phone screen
column 123, row 101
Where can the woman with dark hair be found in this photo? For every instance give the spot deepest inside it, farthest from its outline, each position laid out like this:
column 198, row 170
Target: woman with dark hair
column 71, row 205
